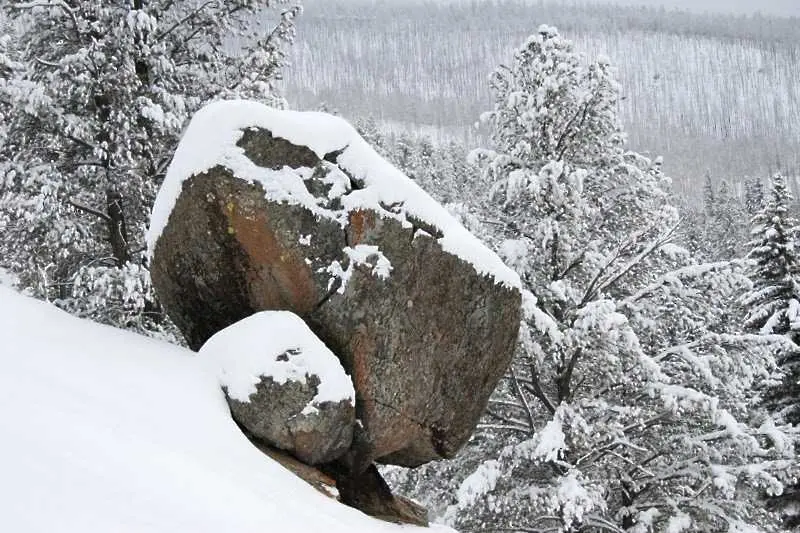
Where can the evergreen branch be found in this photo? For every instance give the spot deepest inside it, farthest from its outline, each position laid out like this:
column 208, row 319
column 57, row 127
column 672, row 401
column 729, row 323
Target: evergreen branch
column 504, row 403
column 46, row 63
column 182, row 44
column 182, row 21
column 634, row 464
column 565, row 377
column 82, row 142
column 90, row 210
column 591, row 290
column 506, row 427
column 602, row 524
column 81, row 163
column 654, row 246
column 538, row 392
column 613, row 442
column 690, row 271
column 522, row 397
column 61, row 4
column 507, row 419
column 575, row 263
column 584, row 113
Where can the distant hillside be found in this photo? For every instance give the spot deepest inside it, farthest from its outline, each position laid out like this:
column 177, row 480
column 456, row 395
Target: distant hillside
column 716, row 94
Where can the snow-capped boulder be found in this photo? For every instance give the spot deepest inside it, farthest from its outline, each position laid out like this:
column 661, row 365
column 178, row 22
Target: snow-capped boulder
column 270, row 209
column 284, row 386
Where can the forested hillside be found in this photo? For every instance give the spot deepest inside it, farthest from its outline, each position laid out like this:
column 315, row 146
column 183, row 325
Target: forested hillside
column 716, row 94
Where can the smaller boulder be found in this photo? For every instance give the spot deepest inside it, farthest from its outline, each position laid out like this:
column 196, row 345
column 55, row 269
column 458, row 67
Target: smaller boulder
column 284, row 386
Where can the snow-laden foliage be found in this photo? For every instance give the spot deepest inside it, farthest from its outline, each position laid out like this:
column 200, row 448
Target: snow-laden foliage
column 441, row 169
column 95, row 98
column 629, row 405
column 773, row 307
column 550, row 106
column 722, row 228
column 719, row 228
column 772, row 303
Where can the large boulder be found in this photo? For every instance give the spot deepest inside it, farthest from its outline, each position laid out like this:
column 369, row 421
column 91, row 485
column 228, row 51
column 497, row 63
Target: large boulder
column 284, row 386
column 268, row 209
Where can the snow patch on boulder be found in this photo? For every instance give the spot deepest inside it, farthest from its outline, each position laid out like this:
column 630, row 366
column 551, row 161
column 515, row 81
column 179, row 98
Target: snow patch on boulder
column 360, row 254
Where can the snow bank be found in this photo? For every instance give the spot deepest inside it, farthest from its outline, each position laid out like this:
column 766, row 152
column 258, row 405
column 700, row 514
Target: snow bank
column 211, row 138
column 103, row 430
column 277, row 344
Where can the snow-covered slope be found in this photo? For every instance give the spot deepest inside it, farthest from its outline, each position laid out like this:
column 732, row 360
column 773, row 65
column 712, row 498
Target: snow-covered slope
column 102, row 430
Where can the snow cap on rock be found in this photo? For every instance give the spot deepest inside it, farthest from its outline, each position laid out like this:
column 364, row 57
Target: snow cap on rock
column 211, row 140
column 278, row 345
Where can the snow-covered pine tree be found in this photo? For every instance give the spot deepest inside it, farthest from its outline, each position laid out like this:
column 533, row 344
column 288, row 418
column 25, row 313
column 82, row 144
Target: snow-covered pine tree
column 772, row 304
column 753, row 195
column 96, row 107
column 709, row 197
column 730, row 226
column 627, row 407
column 724, row 225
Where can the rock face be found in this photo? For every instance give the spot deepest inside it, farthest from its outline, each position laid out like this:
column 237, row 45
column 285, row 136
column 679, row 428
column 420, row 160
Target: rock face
column 285, row 387
column 264, row 209
column 275, row 414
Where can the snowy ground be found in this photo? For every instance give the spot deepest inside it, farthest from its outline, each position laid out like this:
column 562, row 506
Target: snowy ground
column 103, row 430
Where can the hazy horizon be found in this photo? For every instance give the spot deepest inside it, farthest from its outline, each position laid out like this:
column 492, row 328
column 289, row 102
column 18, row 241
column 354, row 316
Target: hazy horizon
column 785, row 8
column 781, row 8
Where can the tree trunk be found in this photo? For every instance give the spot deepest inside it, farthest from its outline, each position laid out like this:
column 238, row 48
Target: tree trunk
column 117, row 230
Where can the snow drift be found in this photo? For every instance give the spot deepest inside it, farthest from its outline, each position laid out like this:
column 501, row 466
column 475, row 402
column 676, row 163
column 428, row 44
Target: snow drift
column 103, row 430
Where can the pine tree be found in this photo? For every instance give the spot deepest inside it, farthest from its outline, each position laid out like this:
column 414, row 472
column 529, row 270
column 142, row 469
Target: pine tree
column 729, row 228
column 547, row 103
column 723, row 225
column 773, row 307
column 96, row 106
column 709, row 197
column 773, row 301
column 753, row 196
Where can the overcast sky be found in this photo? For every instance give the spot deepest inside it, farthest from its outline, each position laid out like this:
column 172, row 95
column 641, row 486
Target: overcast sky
column 773, row 7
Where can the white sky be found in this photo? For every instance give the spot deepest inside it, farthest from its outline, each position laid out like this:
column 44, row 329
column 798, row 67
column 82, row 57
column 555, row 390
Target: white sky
column 773, row 7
